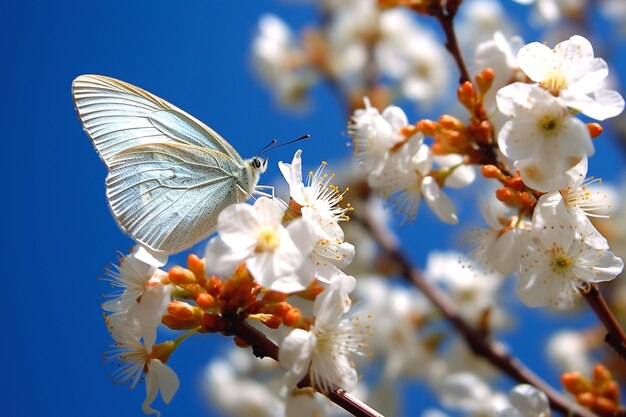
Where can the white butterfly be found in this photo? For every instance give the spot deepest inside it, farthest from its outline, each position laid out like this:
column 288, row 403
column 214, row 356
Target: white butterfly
column 170, row 175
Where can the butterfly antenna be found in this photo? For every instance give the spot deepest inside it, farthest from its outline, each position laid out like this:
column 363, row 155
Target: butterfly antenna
column 266, row 147
column 270, row 147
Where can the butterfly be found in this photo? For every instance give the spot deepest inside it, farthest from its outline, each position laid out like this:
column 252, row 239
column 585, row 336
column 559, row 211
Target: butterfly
column 169, row 175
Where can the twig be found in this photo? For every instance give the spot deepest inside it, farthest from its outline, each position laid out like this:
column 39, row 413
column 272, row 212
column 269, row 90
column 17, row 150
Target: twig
column 263, row 347
column 616, row 338
column 481, row 346
column 452, row 45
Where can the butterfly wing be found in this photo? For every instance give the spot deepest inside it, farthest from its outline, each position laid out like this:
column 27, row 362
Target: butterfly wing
column 117, row 116
column 168, row 195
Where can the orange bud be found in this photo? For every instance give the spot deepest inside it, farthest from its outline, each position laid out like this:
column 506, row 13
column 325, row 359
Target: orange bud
column 427, row 127
column 575, row 383
column 604, row 407
column 292, row 318
column 177, row 324
column 586, row 399
column 527, row 200
column 450, row 122
column 491, row 171
column 505, row 194
column 181, row 276
column 466, row 95
column 205, row 301
column 595, row 129
column 516, row 183
column 484, row 80
column 181, row 310
column 196, row 265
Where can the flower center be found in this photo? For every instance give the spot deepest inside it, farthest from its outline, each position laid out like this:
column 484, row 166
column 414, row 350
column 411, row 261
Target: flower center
column 549, row 124
column 561, row 263
column 267, row 240
column 554, row 82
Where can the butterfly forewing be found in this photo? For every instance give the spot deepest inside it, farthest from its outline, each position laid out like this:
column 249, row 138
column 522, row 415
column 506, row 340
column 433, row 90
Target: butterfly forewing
column 168, row 196
column 117, row 116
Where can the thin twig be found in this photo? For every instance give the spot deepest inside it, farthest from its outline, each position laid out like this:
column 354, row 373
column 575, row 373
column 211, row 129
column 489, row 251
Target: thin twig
column 493, row 352
column 452, row 45
column 263, row 347
column 616, row 338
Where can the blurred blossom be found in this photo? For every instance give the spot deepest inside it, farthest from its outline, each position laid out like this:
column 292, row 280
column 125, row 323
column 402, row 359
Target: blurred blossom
column 410, row 54
column 468, row 393
column 473, row 289
column 526, row 401
column 398, row 314
column 480, row 20
column 551, row 11
column 569, row 350
column 279, row 60
column 225, row 380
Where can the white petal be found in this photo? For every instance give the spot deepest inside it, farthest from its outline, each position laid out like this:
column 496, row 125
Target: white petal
column 168, row 380
column 295, row 353
column 439, row 203
column 536, row 60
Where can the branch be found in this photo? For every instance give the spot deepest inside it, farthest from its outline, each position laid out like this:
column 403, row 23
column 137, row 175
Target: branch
column 452, row 45
column 615, row 336
column 263, row 347
column 481, row 346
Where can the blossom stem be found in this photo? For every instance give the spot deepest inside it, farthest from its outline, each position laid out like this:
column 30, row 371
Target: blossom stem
column 475, row 339
column 262, row 347
column 452, row 45
column 616, row 338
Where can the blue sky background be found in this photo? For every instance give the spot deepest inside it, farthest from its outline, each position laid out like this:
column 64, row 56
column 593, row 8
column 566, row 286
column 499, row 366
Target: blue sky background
column 58, row 234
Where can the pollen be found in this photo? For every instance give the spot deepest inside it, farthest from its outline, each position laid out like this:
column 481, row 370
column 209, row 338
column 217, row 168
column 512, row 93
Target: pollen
column 561, row 263
column 554, row 82
column 268, row 240
column 549, row 124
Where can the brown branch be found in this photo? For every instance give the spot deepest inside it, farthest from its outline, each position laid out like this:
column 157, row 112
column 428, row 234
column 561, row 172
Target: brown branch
column 492, row 351
column 616, row 338
column 452, row 45
column 263, row 347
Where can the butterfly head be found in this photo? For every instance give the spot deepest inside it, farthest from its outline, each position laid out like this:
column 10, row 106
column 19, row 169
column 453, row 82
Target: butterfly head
column 258, row 164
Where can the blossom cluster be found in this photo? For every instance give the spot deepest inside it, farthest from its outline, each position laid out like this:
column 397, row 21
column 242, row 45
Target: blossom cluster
column 271, row 250
column 553, row 246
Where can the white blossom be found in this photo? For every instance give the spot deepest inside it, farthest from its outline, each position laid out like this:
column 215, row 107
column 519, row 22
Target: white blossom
column 326, row 347
column 132, row 277
column 501, row 244
column 274, row 254
column 541, row 136
column 136, row 358
column 575, row 203
column 570, row 72
column 559, row 262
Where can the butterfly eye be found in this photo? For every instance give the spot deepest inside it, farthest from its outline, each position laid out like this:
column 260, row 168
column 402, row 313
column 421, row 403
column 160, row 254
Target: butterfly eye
column 256, row 163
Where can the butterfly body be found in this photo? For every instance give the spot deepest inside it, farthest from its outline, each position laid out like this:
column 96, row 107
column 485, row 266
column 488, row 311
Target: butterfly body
column 170, row 175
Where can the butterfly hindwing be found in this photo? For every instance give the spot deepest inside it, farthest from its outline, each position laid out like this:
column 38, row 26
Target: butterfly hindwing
column 168, row 195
